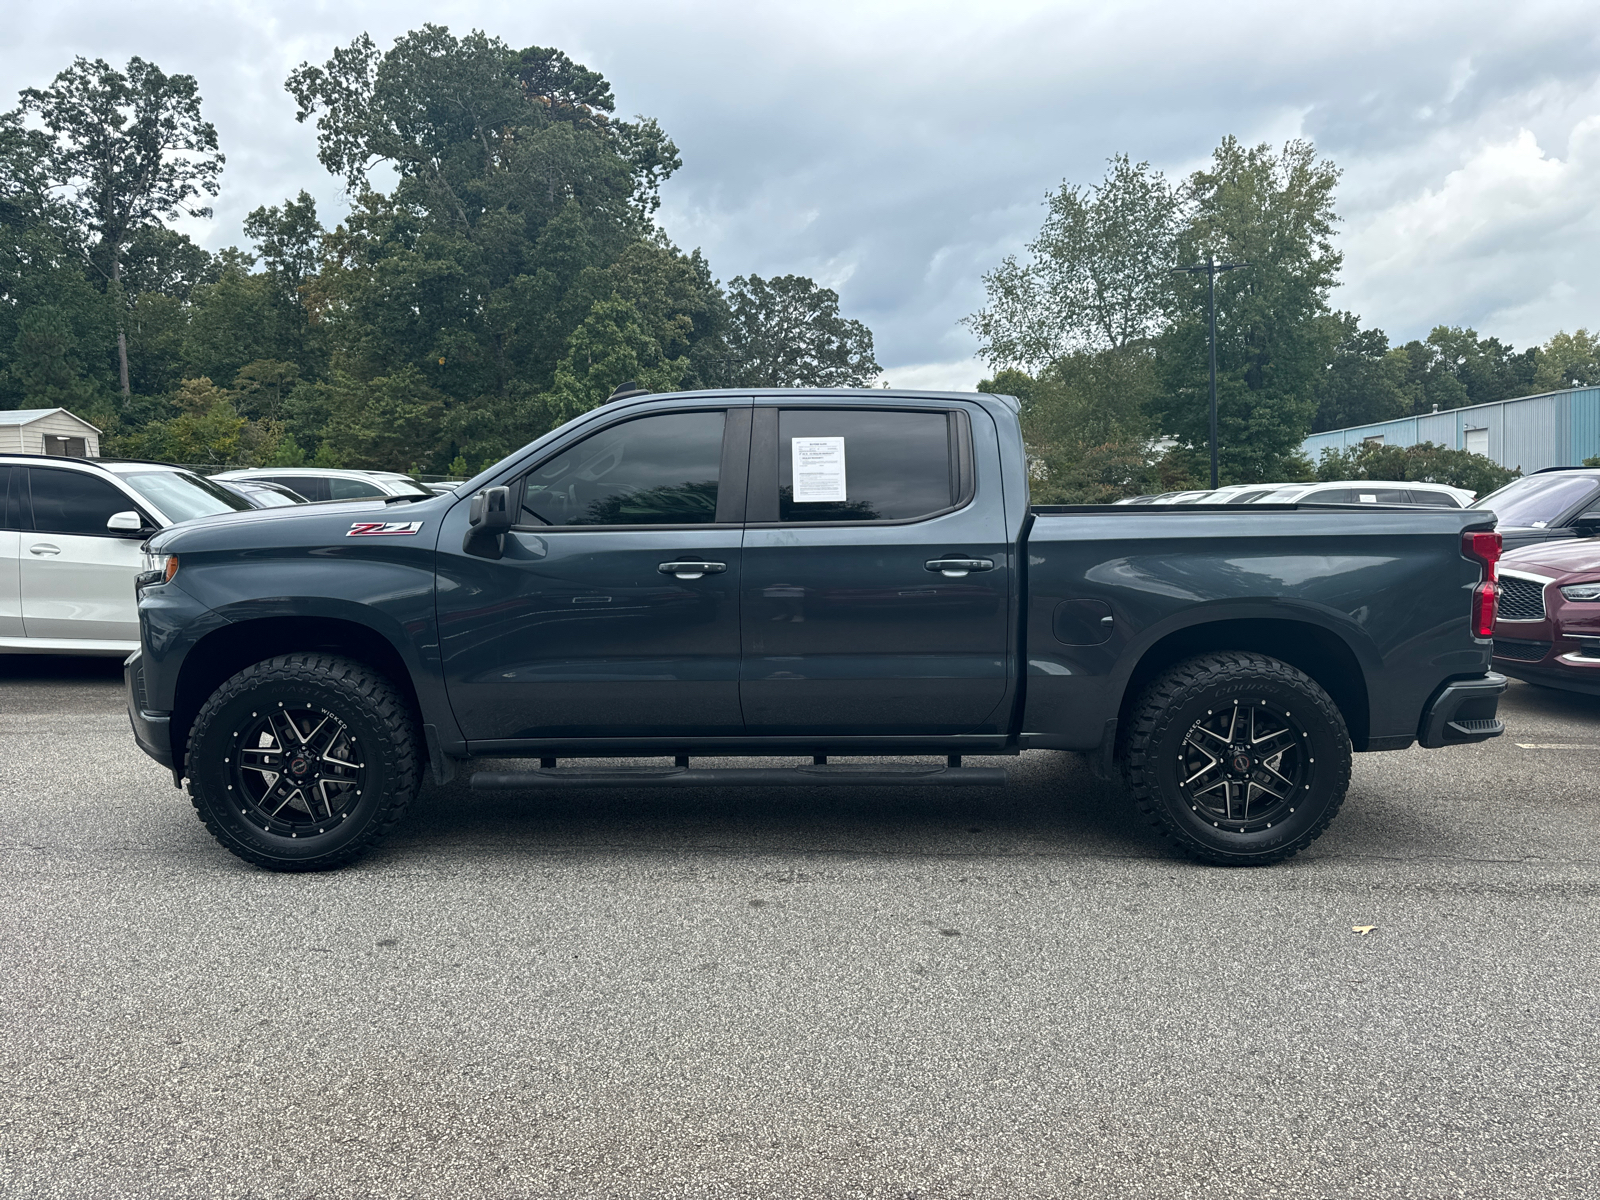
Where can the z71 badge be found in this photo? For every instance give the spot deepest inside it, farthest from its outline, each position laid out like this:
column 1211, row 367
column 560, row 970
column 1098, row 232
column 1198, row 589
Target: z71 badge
column 383, row 528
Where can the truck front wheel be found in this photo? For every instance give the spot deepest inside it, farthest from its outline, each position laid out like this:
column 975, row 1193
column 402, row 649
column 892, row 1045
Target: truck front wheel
column 303, row 762
column 1237, row 758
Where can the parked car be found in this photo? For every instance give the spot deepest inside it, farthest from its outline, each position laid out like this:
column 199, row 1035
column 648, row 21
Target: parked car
column 1240, row 493
column 1547, row 629
column 1552, row 504
column 69, row 546
column 260, row 493
column 800, row 573
column 1369, row 491
column 322, row 484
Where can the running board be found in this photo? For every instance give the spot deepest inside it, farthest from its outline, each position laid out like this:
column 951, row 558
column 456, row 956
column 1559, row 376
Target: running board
column 568, row 777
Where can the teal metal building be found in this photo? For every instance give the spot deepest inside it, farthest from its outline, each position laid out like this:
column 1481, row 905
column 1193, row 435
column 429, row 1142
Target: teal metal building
column 1556, row 429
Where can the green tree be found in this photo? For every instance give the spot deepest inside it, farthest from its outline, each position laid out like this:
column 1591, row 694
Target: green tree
column 1425, row 462
column 56, row 329
column 1097, row 276
column 1365, row 381
column 788, row 332
column 128, row 150
column 1273, row 210
column 1568, row 360
column 1454, row 367
column 520, row 203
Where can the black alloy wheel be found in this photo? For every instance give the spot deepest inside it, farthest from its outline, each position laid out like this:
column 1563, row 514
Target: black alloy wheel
column 298, row 769
column 303, row 762
column 1243, row 766
column 1236, row 758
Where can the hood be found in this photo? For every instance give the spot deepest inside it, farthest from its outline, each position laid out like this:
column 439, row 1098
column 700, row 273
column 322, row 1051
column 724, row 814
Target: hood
column 1561, row 558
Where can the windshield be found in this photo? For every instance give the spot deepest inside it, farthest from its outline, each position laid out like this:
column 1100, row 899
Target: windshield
column 1535, row 501
column 181, row 496
column 404, row 485
column 1282, row 496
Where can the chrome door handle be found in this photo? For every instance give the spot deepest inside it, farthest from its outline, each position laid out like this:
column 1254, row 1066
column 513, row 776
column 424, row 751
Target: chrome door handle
column 44, row 548
column 955, row 568
column 692, row 570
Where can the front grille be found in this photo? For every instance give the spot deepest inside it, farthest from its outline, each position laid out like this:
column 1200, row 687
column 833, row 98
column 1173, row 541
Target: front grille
column 1520, row 599
column 1521, row 651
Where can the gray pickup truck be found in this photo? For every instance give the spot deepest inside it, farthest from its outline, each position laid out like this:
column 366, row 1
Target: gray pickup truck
column 800, row 575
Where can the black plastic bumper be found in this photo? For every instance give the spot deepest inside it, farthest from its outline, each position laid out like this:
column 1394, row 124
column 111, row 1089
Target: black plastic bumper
column 151, row 730
column 1463, row 711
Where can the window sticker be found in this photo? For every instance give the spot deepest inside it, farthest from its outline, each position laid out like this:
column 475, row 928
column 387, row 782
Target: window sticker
column 1368, row 498
column 818, row 470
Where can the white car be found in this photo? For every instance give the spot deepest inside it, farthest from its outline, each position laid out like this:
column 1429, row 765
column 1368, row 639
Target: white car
column 1370, row 491
column 320, row 484
column 69, row 546
column 1240, row 493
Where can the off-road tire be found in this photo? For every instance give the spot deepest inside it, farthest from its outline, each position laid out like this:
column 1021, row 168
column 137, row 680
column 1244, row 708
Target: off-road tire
column 1182, row 697
column 364, row 701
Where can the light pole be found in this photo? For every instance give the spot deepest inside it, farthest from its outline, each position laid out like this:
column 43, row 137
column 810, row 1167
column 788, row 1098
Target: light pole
column 1212, row 268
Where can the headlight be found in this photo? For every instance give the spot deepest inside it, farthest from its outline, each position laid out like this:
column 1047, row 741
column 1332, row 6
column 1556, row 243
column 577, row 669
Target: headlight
column 158, row 568
column 1582, row 591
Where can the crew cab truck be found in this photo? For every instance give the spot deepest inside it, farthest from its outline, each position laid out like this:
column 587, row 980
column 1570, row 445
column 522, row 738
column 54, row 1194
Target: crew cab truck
column 799, row 575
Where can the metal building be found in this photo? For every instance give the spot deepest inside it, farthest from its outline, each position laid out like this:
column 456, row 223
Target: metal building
column 1556, row 429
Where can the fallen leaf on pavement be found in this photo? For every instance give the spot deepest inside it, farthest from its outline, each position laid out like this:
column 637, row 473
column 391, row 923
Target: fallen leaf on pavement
column 1363, row 930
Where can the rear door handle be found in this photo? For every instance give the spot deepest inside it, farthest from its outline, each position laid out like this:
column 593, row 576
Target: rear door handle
column 955, row 568
column 692, row 570
column 44, row 548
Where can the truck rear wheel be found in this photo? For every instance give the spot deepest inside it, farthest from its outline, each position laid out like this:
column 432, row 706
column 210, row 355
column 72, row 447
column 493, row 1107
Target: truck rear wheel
column 303, row 762
column 1237, row 758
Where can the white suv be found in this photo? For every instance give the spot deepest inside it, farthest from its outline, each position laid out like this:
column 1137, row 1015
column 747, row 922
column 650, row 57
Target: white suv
column 1370, row 491
column 319, row 484
column 69, row 546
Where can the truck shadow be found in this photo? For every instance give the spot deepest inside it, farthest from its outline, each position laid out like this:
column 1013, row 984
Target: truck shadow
column 1053, row 805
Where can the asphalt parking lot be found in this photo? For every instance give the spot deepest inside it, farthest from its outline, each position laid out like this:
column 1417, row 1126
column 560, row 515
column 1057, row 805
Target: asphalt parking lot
column 883, row 993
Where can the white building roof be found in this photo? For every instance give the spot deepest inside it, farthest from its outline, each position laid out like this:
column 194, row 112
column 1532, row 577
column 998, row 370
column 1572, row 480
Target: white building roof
column 27, row 416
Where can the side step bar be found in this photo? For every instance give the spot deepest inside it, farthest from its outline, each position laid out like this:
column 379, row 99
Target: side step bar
column 569, row 777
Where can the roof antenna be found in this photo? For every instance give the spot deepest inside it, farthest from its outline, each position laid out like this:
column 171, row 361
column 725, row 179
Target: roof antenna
column 627, row 391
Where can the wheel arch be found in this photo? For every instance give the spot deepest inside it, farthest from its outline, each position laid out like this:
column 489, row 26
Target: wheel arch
column 1315, row 649
column 227, row 650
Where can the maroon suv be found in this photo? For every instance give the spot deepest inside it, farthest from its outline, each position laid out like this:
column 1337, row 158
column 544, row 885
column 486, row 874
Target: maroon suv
column 1547, row 628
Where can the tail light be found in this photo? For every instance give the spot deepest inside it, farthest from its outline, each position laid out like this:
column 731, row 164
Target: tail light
column 1483, row 548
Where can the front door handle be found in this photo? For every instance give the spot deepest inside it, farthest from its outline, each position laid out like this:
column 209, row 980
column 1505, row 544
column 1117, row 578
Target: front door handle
column 44, row 548
column 955, row 568
column 692, row 570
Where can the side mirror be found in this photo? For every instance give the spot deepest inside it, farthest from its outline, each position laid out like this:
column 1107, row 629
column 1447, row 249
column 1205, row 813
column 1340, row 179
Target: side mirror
column 128, row 523
column 487, row 520
column 1587, row 524
column 491, row 510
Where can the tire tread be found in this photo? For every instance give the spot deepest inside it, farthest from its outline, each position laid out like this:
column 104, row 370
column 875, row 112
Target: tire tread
column 1168, row 690
column 348, row 675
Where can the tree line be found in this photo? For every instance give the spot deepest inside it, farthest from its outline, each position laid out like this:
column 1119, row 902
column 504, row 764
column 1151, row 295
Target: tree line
column 1105, row 343
column 500, row 270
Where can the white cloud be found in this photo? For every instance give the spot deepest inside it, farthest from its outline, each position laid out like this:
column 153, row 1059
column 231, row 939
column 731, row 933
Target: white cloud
column 961, row 375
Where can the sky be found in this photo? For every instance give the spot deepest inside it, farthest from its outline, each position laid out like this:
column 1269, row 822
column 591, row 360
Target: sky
column 895, row 151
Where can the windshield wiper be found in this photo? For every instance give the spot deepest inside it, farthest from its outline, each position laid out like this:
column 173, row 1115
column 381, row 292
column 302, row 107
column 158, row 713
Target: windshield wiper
column 406, row 499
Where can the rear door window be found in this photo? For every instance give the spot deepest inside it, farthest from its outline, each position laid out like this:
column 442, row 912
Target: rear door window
column 865, row 465
column 656, row 470
column 1433, row 499
column 74, row 502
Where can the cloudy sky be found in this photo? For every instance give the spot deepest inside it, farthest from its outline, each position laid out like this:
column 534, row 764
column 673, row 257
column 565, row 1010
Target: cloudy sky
column 896, row 151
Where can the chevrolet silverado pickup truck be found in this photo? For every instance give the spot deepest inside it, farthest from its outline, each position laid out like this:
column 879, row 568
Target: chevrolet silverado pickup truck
column 799, row 575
